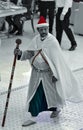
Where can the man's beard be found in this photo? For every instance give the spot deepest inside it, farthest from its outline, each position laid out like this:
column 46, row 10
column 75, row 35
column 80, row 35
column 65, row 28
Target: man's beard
column 43, row 36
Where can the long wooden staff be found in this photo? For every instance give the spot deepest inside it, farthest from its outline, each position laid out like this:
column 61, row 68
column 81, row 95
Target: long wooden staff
column 18, row 42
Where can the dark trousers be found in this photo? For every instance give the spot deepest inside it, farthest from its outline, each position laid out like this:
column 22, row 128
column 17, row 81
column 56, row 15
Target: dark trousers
column 27, row 4
column 64, row 25
column 47, row 8
column 15, row 21
column 18, row 22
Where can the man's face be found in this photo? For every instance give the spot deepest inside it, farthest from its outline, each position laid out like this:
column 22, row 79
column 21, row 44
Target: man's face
column 43, row 31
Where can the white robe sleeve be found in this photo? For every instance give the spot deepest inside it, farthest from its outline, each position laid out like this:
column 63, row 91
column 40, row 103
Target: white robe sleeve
column 27, row 55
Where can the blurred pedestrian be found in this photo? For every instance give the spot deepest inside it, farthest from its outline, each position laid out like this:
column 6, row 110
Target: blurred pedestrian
column 63, row 20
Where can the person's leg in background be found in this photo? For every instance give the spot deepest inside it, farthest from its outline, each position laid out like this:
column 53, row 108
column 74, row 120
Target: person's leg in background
column 43, row 9
column 2, row 24
column 18, row 24
column 59, row 29
column 68, row 31
column 27, row 4
column 11, row 25
column 51, row 8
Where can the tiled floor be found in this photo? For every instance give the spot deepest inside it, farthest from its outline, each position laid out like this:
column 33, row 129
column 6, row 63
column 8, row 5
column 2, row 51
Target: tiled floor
column 71, row 116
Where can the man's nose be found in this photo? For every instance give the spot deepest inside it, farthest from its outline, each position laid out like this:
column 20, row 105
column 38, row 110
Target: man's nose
column 43, row 31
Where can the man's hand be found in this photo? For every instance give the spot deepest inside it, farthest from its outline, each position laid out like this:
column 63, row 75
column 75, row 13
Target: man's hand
column 54, row 79
column 62, row 17
column 18, row 53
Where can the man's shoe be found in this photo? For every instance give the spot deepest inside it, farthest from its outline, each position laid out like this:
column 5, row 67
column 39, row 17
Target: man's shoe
column 28, row 123
column 55, row 113
column 72, row 48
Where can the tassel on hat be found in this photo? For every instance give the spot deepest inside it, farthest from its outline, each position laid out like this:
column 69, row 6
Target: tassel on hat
column 42, row 22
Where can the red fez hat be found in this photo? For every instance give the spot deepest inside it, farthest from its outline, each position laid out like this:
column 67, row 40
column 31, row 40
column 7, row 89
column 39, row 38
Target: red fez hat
column 42, row 22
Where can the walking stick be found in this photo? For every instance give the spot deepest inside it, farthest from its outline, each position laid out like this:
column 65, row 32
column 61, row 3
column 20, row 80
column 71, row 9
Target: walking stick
column 18, row 42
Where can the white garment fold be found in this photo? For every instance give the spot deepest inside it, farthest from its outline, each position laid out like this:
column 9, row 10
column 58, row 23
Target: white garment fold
column 66, row 88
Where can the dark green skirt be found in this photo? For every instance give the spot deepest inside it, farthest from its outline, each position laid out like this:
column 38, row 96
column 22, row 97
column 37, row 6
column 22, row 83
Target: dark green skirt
column 38, row 102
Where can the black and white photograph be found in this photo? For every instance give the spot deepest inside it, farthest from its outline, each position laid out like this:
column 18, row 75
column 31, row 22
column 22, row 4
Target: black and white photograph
column 41, row 64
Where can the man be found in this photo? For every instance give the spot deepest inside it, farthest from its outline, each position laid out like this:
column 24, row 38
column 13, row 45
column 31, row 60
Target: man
column 47, row 7
column 62, row 22
column 51, row 81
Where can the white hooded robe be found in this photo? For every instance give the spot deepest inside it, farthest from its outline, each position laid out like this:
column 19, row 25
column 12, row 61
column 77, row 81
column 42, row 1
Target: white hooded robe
column 66, row 88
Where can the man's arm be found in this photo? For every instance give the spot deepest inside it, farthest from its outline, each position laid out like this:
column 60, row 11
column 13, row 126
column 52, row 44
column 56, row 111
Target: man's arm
column 68, row 4
column 23, row 55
